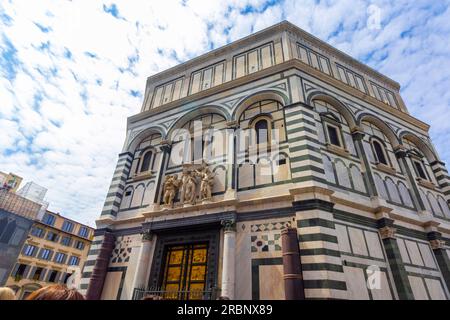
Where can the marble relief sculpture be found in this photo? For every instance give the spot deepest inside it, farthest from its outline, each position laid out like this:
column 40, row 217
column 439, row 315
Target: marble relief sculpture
column 207, row 182
column 187, row 186
column 190, row 189
column 171, row 185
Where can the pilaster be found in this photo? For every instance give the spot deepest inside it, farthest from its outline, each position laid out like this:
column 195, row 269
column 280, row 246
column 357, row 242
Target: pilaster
column 400, row 277
column 116, row 189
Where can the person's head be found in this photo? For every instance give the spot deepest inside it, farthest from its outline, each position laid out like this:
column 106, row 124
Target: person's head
column 55, row 292
column 7, row 294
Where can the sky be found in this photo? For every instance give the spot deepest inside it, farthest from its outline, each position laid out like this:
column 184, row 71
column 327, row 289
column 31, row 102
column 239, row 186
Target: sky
column 71, row 72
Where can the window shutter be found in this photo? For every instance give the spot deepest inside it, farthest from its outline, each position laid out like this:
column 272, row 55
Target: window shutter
column 35, row 251
column 24, row 249
column 49, row 273
column 31, row 274
column 39, row 255
column 63, row 276
column 58, row 275
column 42, row 277
column 14, row 270
column 25, row 272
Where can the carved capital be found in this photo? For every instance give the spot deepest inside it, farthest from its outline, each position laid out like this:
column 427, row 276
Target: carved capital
column 400, row 152
column 357, row 133
column 233, row 124
column 165, row 146
column 387, row 232
column 147, row 235
column 229, row 225
column 437, row 244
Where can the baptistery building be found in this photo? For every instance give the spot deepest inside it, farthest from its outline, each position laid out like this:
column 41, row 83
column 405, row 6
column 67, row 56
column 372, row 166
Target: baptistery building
column 275, row 167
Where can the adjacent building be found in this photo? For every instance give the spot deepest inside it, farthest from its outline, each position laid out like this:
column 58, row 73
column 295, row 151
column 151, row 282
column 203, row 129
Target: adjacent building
column 56, row 247
column 275, row 167
column 16, row 218
column 10, row 181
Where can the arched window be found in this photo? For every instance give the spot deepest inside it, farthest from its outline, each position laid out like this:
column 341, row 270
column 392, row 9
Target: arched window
column 262, row 131
column 146, row 161
column 418, row 165
column 333, row 135
column 380, row 153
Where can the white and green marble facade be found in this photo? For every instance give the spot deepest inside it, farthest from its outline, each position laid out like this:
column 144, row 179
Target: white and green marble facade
column 350, row 211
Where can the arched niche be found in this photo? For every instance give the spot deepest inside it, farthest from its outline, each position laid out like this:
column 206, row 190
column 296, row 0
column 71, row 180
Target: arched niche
column 247, row 101
column 338, row 105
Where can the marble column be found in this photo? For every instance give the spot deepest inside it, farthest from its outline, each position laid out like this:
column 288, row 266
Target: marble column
column 229, row 257
column 358, row 136
column 387, row 234
column 166, row 148
column 293, row 281
column 438, row 247
column 402, row 154
column 231, row 178
column 95, row 288
column 140, row 280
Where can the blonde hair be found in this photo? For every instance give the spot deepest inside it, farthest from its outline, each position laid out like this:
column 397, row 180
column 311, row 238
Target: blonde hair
column 7, row 294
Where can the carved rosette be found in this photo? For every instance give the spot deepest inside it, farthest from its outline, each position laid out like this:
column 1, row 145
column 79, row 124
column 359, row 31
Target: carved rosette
column 229, row 225
column 387, row 232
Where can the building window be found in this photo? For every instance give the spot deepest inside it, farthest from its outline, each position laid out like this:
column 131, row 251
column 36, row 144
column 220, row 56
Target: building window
column 60, row 257
column 29, row 250
column 20, row 272
column 67, row 277
column 66, row 241
column 84, row 232
column 380, row 152
column 52, row 276
column 419, row 169
column 46, row 254
column 49, row 219
column 146, row 161
column 67, row 226
column 262, row 131
column 74, row 261
column 37, row 273
column 51, row 236
column 37, row 232
column 333, row 135
column 79, row 245
column 8, row 231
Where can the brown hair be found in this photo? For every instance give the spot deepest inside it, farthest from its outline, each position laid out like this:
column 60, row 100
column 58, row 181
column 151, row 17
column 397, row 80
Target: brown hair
column 55, row 292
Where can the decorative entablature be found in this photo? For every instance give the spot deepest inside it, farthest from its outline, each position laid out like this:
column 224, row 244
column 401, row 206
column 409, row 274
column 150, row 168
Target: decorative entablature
column 264, row 49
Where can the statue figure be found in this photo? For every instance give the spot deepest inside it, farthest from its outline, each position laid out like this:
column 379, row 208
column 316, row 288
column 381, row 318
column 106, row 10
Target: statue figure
column 207, row 182
column 171, row 184
column 184, row 179
column 190, row 188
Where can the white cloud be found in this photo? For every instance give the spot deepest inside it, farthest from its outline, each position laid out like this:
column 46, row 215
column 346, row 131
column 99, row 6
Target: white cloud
column 69, row 139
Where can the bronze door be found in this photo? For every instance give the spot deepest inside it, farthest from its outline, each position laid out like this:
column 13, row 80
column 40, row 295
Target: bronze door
column 185, row 271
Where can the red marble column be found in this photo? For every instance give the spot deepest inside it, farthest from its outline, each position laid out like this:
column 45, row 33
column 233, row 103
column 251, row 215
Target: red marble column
column 98, row 276
column 293, row 281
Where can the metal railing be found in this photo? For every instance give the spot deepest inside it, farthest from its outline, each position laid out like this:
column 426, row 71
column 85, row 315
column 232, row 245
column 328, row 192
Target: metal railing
column 159, row 294
column 11, row 202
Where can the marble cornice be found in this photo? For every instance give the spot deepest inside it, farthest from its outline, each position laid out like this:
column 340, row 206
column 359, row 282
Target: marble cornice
column 284, row 26
column 273, row 70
